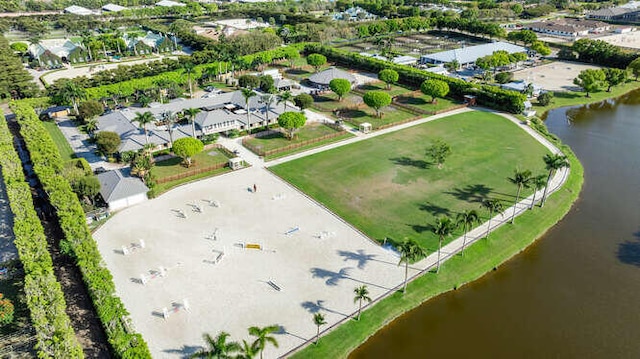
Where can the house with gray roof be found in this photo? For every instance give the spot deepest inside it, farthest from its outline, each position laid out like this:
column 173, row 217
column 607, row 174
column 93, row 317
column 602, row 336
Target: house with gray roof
column 119, row 190
column 322, row 78
column 219, row 114
column 468, row 55
column 113, row 8
column 56, row 51
column 78, row 10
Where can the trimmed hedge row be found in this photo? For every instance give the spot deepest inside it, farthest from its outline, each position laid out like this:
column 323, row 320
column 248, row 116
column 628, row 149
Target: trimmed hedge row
column 491, row 96
column 48, row 165
column 55, row 338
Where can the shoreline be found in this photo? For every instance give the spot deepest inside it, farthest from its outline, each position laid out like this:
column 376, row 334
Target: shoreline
column 342, row 341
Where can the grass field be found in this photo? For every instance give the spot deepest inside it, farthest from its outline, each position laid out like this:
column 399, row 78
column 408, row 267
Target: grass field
column 376, row 86
column 174, row 165
column 390, row 114
column 328, row 102
column 423, row 102
column 311, row 131
column 479, row 259
column 571, row 98
column 387, row 187
column 58, row 138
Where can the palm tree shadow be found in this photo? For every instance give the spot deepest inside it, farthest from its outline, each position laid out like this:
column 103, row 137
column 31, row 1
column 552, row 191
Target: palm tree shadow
column 418, row 228
column 317, row 306
column 332, row 278
column 476, row 193
column 406, row 161
column 629, row 251
column 358, row 256
column 284, row 331
column 185, row 351
column 434, row 209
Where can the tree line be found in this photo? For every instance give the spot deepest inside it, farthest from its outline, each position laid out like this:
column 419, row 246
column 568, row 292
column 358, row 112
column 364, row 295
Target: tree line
column 15, row 81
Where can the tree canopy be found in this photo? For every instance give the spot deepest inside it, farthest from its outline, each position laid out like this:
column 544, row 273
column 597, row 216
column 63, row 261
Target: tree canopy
column 388, row 76
column 340, row 87
column 434, row 88
column 187, row 147
column 108, row 142
column 439, row 151
column 291, row 121
column 89, row 109
column 591, row 80
column 303, row 100
column 377, row 100
column 634, row 67
column 316, row 60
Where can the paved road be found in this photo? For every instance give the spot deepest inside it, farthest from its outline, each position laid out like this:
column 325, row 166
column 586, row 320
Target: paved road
column 82, row 146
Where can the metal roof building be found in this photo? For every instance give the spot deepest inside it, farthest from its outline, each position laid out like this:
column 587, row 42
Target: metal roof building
column 324, row 77
column 78, row 10
column 120, row 190
column 113, row 8
column 469, row 55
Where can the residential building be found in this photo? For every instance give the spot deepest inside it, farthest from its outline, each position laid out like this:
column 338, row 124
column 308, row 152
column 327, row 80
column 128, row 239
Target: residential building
column 404, row 60
column 55, row 52
column 79, row 10
column 322, row 78
column 113, row 8
column 169, row 3
column 568, row 27
column 468, row 55
column 149, row 43
column 629, row 12
column 119, row 190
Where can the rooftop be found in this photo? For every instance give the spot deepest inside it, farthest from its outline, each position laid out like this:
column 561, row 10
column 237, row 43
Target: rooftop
column 324, row 77
column 470, row 54
column 115, row 185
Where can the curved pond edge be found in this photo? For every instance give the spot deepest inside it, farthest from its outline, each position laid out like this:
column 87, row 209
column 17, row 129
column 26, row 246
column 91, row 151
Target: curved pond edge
column 482, row 257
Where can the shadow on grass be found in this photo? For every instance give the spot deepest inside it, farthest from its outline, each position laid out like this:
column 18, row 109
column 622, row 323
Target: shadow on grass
column 352, row 114
column 410, row 100
column 434, row 209
column 418, row 228
column 297, row 72
column 629, row 251
column 476, row 193
column 175, row 161
column 406, row 161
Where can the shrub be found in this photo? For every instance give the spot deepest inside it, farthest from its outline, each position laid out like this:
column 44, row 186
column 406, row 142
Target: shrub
column 6, row 311
column 303, row 100
column 212, row 138
column 108, row 142
column 545, row 98
column 377, row 100
column 503, row 77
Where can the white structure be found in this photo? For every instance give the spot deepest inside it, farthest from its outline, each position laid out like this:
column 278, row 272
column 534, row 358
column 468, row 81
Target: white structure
column 113, row 8
column 468, row 55
column 169, row 3
column 568, row 27
column 78, row 10
column 240, row 24
column 521, row 86
column 404, row 60
column 120, row 191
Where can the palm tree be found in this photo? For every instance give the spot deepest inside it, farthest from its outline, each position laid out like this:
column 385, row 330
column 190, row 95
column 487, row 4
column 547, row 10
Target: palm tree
column 143, row 119
column 91, row 125
column 553, row 163
column 410, row 251
column 537, row 182
column 467, row 219
column 218, row 347
column 443, row 228
column 117, row 36
column 249, row 351
column 247, row 94
column 493, row 205
column 144, row 100
column 318, row 320
column 210, row 72
column 191, row 116
column 520, row 179
column 133, row 37
column 189, row 69
column 267, row 100
column 263, row 337
column 168, row 119
column 362, row 293
column 285, row 97
column 72, row 92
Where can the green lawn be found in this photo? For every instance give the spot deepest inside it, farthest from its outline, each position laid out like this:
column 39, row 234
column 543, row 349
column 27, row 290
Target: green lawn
column 424, row 102
column 328, row 102
column 395, row 89
column 390, row 114
column 571, row 98
column 386, row 186
column 58, row 138
column 308, row 132
column 174, row 165
column 479, row 259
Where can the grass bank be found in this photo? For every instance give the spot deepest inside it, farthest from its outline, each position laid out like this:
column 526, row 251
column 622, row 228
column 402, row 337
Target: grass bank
column 480, row 258
column 573, row 98
column 66, row 152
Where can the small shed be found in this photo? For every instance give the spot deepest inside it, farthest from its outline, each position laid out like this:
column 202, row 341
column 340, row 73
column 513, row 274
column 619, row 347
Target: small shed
column 56, row 112
column 470, row 100
column 365, row 127
column 236, row 163
column 120, row 190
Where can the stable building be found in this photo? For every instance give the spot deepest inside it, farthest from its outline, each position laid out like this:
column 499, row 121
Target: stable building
column 119, row 190
column 468, row 55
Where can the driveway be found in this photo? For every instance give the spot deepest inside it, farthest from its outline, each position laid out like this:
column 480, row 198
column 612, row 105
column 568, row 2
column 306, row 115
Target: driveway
column 82, row 146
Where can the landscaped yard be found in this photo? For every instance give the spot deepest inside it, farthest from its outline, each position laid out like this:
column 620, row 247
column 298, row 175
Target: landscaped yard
column 58, row 138
column 328, row 102
column 424, row 103
column 375, row 86
column 309, row 132
column 390, row 114
column 172, row 167
column 388, row 188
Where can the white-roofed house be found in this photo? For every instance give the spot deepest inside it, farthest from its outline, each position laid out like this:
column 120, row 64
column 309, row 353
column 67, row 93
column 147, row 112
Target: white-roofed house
column 149, row 43
column 78, row 10
column 169, row 3
column 468, row 55
column 119, row 190
column 113, row 8
column 404, row 60
column 52, row 53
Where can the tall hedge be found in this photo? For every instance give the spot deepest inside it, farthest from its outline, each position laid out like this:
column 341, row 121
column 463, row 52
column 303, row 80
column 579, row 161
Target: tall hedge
column 47, row 307
column 48, row 165
column 487, row 95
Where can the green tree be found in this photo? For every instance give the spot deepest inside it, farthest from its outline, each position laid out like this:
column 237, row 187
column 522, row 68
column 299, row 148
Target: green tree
column 89, row 109
column 218, row 347
column 493, row 205
column 87, row 187
column 545, row 98
column 249, row 81
column 634, row 67
column 340, row 87
column 316, row 60
column 467, row 219
column 377, row 100
column 614, row 77
column 525, row 36
column 553, row 163
column 303, row 100
column 248, row 351
column 435, row 89
column 291, row 121
column 503, row 77
column 537, row 182
column 443, row 227
column 361, row 293
column 591, row 80
column 389, row 77
column 522, row 179
column 187, row 147
column 189, row 68
column 6, row 311
column 20, row 47
column 267, row 100
column 143, row 119
column 191, row 113
column 318, row 320
column 541, row 48
column 438, row 152
column 285, row 97
column 72, row 93
column 452, row 66
column 263, row 337
column 169, row 118
column 108, row 142
column 248, row 94
column 410, row 251
column 267, row 84
column 91, row 126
